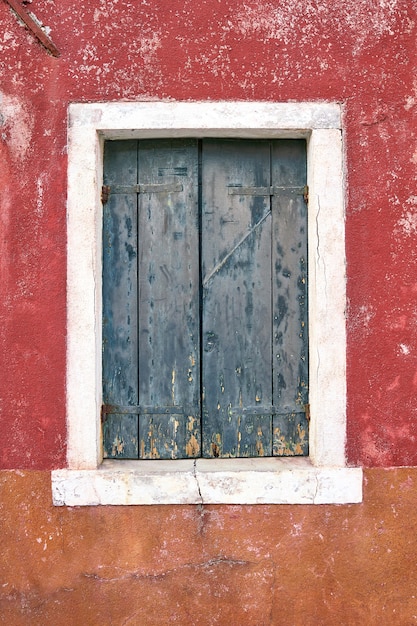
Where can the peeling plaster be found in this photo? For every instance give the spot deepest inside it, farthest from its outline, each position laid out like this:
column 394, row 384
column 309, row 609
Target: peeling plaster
column 360, row 20
column 16, row 125
column 360, row 321
column 404, row 349
column 407, row 224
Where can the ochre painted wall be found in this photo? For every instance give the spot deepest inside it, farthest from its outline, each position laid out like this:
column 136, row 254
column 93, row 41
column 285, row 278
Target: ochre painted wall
column 220, row 565
column 225, row 565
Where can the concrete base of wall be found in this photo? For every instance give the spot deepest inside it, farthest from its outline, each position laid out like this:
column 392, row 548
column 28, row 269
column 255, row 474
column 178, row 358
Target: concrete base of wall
column 192, row 565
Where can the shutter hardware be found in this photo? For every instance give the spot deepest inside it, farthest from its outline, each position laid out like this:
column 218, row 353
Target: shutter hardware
column 106, row 190
column 114, row 409
column 236, row 190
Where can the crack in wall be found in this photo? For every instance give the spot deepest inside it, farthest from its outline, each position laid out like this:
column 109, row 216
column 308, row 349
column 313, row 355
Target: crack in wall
column 316, row 489
column 318, row 255
column 200, row 504
column 135, row 575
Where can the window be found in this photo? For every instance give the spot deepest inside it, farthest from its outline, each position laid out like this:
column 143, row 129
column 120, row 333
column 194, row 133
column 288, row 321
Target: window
column 205, row 346
column 322, row 477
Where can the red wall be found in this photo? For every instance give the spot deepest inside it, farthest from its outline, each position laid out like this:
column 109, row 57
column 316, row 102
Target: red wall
column 358, row 52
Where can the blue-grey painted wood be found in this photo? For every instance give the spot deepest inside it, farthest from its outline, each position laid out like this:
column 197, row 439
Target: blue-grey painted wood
column 184, row 243
column 236, row 273
column 289, row 297
column 169, row 340
column 120, row 305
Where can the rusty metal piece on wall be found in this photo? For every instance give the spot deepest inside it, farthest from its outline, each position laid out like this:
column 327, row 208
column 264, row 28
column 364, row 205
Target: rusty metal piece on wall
column 105, row 192
column 34, row 27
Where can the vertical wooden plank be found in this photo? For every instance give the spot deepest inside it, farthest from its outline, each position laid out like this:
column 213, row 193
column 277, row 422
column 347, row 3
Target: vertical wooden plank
column 290, row 323
column 236, row 307
column 169, row 340
column 120, row 364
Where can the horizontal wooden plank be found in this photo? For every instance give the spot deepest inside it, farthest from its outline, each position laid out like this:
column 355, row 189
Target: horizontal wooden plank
column 141, row 410
column 267, row 191
column 151, row 188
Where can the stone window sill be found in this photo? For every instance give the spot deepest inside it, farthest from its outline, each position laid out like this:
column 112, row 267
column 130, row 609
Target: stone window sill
column 206, row 481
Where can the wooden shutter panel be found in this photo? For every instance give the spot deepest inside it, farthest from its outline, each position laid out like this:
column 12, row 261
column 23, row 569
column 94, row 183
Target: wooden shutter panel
column 218, row 230
column 254, row 269
column 120, row 340
column 169, row 340
column 151, row 288
column 236, row 271
column 289, row 297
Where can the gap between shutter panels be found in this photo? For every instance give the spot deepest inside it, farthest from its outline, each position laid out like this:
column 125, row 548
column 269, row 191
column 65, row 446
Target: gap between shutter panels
column 151, row 414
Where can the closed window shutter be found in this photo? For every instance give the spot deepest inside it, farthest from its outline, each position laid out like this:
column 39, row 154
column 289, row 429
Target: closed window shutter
column 204, row 299
column 254, row 273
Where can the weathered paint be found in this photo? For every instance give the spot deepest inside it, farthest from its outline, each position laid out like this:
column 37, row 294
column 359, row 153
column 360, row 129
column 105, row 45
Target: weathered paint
column 353, row 52
column 204, row 242
column 254, row 235
column 151, row 298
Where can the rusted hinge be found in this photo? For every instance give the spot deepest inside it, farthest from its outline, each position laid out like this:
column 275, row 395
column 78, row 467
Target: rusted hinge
column 305, row 194
column 236, row 190
column 307, row 411
column 106, row 190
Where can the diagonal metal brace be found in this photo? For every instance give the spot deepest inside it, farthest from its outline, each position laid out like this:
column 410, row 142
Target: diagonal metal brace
column 34, row 27
column 222, row 262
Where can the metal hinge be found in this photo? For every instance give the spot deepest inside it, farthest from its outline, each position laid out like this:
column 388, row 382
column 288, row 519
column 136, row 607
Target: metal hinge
column 307, row 411
column 106, row 190
column 305, row 194
column 236, row 190
column 118, row 409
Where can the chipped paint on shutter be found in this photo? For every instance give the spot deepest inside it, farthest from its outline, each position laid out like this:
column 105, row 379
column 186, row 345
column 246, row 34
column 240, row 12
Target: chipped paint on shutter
column 289, row 297
column 169, row 363
column 224, row 235
column 236, row 271
column 120, row 358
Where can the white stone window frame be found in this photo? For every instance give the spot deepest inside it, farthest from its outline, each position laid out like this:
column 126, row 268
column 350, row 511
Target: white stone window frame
column 321, row 478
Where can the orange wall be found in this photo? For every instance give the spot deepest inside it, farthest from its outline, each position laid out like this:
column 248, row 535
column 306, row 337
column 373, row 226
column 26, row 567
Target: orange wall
column 237, row 566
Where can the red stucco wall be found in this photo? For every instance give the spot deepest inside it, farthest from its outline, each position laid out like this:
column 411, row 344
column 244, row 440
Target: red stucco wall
column 361, row 53
column 243, row 565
